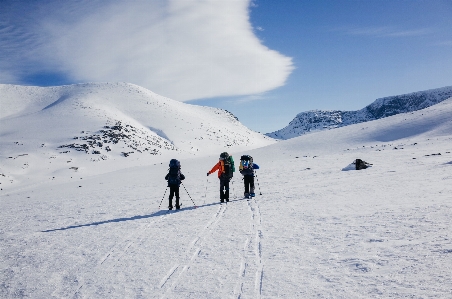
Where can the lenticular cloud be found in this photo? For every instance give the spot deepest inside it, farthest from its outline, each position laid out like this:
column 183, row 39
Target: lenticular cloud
column 182, row 49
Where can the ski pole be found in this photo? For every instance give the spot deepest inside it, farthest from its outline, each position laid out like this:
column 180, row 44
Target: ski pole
column 163, row 197
column 260, row 193
column 233, row 191
column 189, row 195
column 205, row 195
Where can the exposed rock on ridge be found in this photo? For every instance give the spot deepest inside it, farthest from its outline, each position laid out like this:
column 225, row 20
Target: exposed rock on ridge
column 318, row 120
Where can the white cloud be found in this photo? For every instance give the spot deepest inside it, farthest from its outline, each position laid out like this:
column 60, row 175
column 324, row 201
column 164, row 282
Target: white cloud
column 182, row 49
column 250, row 98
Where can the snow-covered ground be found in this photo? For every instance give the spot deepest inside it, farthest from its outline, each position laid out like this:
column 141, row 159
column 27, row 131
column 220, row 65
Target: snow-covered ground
column 312, row 231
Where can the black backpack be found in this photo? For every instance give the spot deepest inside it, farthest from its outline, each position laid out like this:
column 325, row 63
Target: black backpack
column 246, row 158
column 228, row 163
column 174, row 172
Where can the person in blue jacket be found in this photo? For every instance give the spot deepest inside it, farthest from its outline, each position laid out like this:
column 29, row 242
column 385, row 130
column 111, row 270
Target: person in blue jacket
column 247, row 167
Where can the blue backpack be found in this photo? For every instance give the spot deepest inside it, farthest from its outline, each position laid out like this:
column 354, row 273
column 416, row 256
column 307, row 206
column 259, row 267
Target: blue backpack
column 174, row 172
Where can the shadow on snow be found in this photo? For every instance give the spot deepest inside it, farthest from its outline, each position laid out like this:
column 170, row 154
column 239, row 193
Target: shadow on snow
column 137, row 217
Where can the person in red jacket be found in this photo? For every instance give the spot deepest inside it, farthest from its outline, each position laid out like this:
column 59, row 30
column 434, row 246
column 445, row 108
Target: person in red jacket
column 225, row 168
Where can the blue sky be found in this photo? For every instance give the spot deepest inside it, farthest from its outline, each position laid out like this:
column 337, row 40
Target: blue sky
column 265, row 61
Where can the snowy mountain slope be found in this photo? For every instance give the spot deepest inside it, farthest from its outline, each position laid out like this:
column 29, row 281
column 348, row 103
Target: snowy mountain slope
column 48, row 130
column 319, row 120
column 429, row 122
column 314, row 232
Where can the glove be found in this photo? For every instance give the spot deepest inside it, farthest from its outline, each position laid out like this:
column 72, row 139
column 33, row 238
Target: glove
column 207, row 174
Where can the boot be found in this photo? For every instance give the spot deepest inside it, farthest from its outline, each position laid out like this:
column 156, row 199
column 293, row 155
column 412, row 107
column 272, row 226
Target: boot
column 252, row 194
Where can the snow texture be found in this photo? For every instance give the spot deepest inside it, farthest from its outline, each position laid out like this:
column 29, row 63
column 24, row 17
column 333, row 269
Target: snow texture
column 84, row 229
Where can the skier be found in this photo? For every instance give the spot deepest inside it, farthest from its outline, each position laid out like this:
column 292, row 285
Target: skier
column 174, row 178
column 225, row 167
column 246, row 168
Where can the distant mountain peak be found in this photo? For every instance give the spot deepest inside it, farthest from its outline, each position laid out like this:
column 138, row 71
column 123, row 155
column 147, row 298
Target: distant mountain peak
column 319, row 120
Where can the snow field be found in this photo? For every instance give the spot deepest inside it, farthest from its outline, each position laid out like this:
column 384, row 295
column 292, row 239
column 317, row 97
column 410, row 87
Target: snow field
column 315, row 232
column 376, row 233
column 318, row 232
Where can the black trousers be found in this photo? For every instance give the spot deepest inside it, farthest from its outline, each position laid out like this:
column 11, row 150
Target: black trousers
column 224, row 189
column 248, row 180
column 174, row 190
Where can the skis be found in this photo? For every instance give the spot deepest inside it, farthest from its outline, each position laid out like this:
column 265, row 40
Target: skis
column 249, row 196
column 176, row 209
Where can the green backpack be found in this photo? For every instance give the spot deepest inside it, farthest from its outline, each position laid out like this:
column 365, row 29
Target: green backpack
column 229, row 167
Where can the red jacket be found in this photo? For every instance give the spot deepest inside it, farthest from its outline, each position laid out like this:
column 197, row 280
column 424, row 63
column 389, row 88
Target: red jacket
column 219, row 166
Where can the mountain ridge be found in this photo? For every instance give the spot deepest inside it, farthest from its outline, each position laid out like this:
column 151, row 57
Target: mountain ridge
column 118, row 125
column 319, row 120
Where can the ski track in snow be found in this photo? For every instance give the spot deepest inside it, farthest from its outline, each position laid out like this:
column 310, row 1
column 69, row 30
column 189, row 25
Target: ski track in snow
column 251, row 253
column 118, row 250
column 258, row 245
column 168, row 283
column 242, row 271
